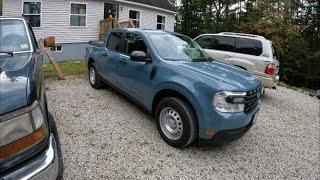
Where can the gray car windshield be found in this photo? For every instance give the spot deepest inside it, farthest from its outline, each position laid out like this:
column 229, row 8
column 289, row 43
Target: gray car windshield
column 177, row 47
column 13, row 36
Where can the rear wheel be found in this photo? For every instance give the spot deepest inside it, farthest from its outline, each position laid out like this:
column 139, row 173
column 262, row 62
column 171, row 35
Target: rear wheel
column 176, row 122
column 94, row 78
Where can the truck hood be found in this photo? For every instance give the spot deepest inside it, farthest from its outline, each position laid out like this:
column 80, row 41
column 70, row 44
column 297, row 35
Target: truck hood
column 14, row 73
column 223, row 73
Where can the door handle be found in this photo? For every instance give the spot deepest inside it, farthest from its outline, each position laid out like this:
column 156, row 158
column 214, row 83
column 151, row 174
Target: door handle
column 105, row 54
column 228, row 56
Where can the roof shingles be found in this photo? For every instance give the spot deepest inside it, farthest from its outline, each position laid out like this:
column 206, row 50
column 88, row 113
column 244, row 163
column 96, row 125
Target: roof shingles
column 164, row 4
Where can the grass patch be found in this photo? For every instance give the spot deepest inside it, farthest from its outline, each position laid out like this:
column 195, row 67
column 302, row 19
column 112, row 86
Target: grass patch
column 67, row 67
column 282, row 84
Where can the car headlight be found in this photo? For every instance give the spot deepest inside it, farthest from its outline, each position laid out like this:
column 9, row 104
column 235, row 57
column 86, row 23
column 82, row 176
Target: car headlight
column 229, row 101
column 22, row 131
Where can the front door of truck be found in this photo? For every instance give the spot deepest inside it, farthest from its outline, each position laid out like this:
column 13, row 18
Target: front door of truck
column 134, row 76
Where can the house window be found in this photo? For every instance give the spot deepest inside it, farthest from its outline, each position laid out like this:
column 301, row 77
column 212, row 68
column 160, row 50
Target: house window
column 161, row 22
column 78, row 14
column 134, row 16
column 56, row 49
column 32, row 12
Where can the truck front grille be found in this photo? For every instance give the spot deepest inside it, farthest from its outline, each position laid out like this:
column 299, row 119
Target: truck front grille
column 252, row 98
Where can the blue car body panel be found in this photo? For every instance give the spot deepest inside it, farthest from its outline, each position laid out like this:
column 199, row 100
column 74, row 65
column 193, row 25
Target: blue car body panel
column 196, row 81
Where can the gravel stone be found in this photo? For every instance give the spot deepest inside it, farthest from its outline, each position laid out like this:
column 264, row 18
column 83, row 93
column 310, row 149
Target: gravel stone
column 106, row 136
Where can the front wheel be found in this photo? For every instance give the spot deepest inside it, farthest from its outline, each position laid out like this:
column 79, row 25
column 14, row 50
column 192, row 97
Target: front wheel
column 176, row 122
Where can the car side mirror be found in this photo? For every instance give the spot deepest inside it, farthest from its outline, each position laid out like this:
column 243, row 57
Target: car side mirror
column 139, row 56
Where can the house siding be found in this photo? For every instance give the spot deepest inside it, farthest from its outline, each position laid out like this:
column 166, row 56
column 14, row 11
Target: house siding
column 55, row 18
column 148, row 19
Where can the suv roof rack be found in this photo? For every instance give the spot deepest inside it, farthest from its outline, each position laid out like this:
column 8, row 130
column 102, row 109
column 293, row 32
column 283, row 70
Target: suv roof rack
column 242, row 34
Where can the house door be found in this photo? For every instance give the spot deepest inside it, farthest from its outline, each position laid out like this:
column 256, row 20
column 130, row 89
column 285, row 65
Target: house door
column 111, row 9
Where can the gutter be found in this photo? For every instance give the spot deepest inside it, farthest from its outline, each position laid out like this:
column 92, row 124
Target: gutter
column 146, row 6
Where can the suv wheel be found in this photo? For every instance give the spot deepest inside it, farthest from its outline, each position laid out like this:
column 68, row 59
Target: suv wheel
column 94, row 78
column 176, row 122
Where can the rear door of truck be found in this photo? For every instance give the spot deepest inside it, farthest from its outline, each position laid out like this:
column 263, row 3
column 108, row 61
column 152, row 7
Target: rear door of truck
column 111, row 57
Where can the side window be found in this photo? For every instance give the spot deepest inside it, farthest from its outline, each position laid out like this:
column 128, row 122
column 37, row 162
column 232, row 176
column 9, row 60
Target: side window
column 224, row 43
column 205, row 42
column 249, row 46
column 114, row 42
column 134, row 42
column 134, row 16
column 32, row 12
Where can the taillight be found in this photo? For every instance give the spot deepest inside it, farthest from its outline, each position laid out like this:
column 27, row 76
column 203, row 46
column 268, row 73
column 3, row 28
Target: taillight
column 269, row 69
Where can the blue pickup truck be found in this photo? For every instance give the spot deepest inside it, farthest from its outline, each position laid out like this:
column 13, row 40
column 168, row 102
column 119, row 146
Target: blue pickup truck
column 29, row 142
column 191, row 96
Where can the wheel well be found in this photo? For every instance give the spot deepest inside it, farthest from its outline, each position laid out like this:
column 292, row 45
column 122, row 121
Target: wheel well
column 168, row 93
column 91, row 60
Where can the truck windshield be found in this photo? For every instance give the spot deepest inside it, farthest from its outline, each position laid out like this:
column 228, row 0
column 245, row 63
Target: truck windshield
column 13, row 36
column 177, row 47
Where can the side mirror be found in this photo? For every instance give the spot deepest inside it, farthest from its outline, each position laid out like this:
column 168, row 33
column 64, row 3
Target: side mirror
column 49, row 41
column 139, row 56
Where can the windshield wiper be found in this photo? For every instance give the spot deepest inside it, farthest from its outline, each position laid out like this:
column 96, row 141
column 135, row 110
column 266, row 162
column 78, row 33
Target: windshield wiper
column 7, row 53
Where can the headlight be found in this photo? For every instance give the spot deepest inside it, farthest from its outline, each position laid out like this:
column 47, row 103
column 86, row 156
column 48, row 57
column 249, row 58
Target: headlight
column 222, row 101
column 22, row 131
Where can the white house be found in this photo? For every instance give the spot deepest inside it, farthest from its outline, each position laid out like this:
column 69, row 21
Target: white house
column 75, row 22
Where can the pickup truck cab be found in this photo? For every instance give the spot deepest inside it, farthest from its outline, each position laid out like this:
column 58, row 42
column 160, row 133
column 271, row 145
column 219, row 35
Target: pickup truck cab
column 191, row 96
column 29, row 147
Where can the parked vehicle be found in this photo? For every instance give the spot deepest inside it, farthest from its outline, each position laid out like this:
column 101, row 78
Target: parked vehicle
column 250, row 52
column 29, row 144
column 192, row 96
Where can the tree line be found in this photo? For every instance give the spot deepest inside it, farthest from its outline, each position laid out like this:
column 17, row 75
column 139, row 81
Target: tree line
column 292, row 25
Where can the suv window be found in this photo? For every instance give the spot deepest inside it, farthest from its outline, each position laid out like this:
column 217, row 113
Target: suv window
column 134, row 42
column 249, row 46
column 224, row 43
column 114, row 42
column 206, row 42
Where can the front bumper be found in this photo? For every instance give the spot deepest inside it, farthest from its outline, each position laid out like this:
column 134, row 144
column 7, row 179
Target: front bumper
column 226, row 136
column 41, row 167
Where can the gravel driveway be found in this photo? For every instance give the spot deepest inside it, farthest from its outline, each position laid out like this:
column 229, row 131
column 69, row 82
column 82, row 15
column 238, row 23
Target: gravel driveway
column 104, row 135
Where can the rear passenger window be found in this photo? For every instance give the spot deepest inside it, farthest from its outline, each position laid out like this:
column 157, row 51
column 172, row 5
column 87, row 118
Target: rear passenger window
column 114, row 42
column 205, row 42
column 224, row 43
column 249, row 46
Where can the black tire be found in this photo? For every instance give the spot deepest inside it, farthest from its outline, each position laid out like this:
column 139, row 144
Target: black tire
column 96, row 83
column 54, row 131
column 188, row 119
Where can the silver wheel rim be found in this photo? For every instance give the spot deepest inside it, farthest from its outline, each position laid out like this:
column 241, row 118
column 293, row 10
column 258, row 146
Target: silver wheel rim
column 171, row 123
column 92, row 76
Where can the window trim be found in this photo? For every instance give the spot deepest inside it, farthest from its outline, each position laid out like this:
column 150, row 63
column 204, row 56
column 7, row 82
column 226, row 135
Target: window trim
column 83, row 3
column 135, row 19
column 165, row 21
column 33, row 1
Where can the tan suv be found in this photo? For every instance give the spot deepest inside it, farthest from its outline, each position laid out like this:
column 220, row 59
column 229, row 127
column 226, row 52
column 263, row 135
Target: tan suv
column 250, row 52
